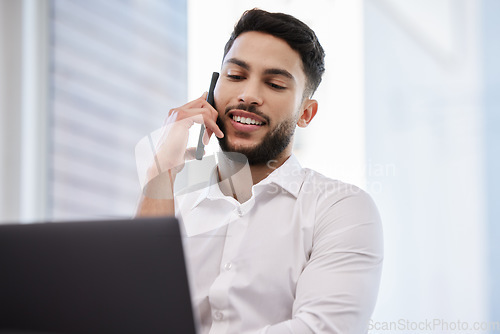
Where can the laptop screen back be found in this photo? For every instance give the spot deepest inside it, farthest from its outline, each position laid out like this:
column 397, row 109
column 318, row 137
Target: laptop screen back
column 125, row 276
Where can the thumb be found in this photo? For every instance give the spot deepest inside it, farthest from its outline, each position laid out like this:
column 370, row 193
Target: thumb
column 191, row 153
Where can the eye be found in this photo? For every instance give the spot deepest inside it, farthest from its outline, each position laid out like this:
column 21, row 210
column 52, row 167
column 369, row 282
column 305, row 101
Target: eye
column 275, row 86
column 235, row 77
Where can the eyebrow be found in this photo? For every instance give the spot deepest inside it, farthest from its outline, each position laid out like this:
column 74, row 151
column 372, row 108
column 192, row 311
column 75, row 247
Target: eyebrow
column 270, row 71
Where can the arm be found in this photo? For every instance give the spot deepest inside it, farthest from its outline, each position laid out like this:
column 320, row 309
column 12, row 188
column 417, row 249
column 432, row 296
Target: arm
column 157, row 196
column 337, row 291
column 154, row 206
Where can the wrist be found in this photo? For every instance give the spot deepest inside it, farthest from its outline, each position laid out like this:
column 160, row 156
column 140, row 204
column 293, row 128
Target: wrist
column 160, row 185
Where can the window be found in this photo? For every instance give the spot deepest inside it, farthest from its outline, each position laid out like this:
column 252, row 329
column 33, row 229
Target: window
column 117, row 67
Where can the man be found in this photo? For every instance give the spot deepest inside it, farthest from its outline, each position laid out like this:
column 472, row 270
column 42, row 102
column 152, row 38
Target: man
column 280, row 249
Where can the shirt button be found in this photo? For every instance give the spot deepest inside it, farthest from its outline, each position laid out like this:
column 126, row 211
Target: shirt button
column 240, row 213
column 218, row 315
column 228, row 266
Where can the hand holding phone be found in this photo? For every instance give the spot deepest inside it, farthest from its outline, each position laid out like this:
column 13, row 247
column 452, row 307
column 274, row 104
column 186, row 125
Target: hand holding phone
column 200, row 149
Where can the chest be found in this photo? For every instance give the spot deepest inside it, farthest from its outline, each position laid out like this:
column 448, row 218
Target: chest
column 268, row 243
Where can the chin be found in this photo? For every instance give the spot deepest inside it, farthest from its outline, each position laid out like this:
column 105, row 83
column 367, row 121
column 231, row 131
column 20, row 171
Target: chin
column 244, row 149
column 245, row 142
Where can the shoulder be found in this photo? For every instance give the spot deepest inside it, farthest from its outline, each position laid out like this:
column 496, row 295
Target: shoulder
column 329, row 191
column 339, row 205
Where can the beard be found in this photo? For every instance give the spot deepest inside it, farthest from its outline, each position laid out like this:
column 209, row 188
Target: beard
column 271, row 146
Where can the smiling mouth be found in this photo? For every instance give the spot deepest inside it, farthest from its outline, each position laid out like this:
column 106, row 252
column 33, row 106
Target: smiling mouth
column 245, row 120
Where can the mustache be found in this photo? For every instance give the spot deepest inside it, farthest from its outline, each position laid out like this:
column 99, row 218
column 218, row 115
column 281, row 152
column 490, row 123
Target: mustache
column 248, row 108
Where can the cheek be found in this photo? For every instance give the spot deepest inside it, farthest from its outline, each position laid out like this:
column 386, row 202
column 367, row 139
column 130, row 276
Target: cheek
column 286, row 107
column 222, row 95
column 218, row 99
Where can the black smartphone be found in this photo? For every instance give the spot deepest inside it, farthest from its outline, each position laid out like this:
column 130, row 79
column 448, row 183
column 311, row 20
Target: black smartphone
column 200, row 149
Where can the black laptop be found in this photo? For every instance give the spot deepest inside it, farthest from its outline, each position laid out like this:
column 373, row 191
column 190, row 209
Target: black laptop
column 122, row 276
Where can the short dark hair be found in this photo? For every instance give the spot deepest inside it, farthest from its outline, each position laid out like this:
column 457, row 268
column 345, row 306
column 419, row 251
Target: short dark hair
column 296, row 33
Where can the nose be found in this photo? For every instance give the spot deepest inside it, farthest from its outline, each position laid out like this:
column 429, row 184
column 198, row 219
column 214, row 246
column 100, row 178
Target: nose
column 250, row 93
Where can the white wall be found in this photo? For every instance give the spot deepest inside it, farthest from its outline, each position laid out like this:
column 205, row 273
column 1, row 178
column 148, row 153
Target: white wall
column 424, row 118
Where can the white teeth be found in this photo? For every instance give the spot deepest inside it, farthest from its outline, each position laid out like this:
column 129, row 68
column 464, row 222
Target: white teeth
column 246, row 120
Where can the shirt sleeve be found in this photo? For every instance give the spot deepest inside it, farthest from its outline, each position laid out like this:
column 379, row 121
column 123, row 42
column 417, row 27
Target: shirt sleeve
column 337, row 290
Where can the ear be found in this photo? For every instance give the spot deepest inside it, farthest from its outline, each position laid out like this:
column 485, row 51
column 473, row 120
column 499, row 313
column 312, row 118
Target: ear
column 309, row 109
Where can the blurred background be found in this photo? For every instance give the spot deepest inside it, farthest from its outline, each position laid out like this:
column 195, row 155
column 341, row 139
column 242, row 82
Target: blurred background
column 409, row 111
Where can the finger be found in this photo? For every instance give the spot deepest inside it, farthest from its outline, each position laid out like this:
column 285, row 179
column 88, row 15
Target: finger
column 211, row 125
column 172, row 117
column 196, row 103
column 206, row 137
column 194, row 106
column 209, row 132
column 183, row 113
column 190, row 153
column 199, row 115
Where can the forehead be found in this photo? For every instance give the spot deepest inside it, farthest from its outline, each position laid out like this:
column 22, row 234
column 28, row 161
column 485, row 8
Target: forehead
column 264, row 51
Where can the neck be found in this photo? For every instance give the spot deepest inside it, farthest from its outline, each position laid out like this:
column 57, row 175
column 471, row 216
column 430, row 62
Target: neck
column 260, row 172
column 237, row 177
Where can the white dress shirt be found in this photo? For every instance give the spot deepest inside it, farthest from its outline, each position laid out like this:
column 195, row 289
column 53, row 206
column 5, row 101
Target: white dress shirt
column 303, row 255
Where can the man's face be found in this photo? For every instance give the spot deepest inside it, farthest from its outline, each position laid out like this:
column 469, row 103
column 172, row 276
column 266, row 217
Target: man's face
column 259, row 97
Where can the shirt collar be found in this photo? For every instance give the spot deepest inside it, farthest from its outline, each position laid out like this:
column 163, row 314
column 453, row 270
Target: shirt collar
column 212, row 189
column 289, row 176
